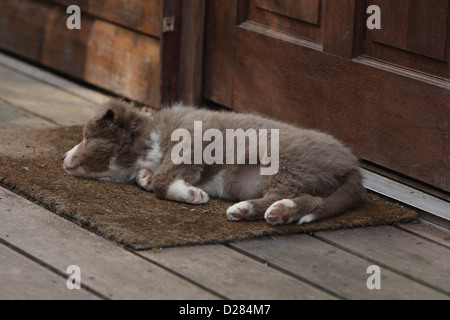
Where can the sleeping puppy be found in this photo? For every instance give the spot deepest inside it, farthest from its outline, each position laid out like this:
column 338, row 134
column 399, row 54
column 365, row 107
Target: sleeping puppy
column 274, row 171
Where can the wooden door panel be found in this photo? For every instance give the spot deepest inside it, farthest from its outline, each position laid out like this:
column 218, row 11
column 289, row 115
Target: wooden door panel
column 304, row 10
column 415, row 26
column 298, row 17
column 141, row 15
column 352, row 102
column 413, row 34
column 221, row 16
column 385, row 95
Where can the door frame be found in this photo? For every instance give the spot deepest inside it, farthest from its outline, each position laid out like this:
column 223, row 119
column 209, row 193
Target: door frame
column 182, row 51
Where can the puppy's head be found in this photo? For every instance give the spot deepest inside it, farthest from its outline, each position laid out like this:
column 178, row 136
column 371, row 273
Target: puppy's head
column 113, row 140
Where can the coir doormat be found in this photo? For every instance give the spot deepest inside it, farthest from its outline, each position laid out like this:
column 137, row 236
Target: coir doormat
column 30, row 165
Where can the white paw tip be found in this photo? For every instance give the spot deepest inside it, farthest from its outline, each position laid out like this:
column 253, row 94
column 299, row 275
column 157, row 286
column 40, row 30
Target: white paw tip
column 185, row 192
column 240, row 211
column 307, row 219
column 144, row 179
column 196, row 195
column 200, row 196
column 280, row 212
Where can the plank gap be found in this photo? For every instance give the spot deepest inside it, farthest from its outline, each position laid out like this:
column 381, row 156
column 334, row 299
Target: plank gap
column 50, row 267
column 436, row 239
column 379, row 263
column 283, row 270
column 180, row 275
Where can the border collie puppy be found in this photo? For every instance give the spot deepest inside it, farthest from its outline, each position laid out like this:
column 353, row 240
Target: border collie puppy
column 273, row 170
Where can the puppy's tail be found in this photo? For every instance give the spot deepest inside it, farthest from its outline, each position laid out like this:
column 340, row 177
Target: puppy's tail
column 347, row 196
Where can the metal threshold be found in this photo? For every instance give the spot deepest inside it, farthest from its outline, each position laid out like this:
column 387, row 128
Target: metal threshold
column 433, row 210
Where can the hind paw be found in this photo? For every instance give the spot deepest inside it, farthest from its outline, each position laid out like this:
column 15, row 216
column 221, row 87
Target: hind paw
column 280, row 212
column 240, row 211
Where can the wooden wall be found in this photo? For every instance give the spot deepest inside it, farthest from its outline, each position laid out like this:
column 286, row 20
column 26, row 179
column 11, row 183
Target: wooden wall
column 118, row 47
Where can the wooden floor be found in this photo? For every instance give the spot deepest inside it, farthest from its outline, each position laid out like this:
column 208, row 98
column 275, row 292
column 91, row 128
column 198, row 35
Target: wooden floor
column 37, row 246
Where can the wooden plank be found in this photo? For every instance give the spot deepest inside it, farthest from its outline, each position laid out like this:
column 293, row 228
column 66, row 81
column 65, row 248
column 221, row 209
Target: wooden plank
column 53, row 79
column 140, row 15
column 428, row 232
column 105, row 267
column 50, row 103
column 233, row 275
column 101, row 53
column 13, row 117
column 403, row 252
column 21, row 33
column 105, row 55
column 23, row 279
column 333, row 269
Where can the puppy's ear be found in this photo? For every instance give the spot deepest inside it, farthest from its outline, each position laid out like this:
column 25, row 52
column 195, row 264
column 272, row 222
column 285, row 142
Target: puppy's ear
column 108, row 116
column 105, row 115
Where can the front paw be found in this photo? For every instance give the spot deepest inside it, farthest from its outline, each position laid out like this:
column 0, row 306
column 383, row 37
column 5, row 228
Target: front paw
column 185, row 192
column 144, row 179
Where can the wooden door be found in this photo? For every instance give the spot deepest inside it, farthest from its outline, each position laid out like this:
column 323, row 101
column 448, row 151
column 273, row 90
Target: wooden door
column 315, row 63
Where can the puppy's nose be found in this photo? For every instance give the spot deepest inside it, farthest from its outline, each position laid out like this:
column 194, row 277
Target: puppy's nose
column 64, row 156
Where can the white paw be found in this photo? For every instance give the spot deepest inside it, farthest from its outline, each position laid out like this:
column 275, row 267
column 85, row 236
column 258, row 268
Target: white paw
column 307, row 219
column 280, row 212
column 240, row 211
column 185, row 192
column 144, row 179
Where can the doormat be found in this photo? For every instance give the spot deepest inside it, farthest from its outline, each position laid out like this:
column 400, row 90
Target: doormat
column 30, row 165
